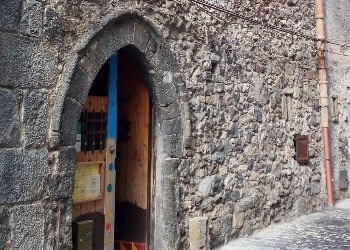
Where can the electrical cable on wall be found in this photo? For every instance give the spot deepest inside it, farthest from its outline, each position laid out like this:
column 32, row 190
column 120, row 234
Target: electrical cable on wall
column 257, row 22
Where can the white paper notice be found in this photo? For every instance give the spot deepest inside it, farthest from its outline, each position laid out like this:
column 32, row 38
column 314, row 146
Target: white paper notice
column 93, row 185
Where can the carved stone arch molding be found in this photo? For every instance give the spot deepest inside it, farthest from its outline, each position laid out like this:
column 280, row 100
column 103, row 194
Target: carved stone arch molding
column 171, row 114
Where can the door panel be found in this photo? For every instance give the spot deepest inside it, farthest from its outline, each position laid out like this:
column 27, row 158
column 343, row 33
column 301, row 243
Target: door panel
column 133, row 154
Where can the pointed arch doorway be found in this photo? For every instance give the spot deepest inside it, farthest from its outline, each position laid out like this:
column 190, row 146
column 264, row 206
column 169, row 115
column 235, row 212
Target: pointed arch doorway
column 115, row 141
column 171, row 117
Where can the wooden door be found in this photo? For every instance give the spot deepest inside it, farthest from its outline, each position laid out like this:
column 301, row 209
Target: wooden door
column 133, row 158
column 95, row 108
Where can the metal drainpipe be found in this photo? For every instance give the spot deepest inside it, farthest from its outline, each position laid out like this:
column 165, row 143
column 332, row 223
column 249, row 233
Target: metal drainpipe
column 324, row 97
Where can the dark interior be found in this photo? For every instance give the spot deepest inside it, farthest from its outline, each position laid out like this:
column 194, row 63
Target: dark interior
column 100, row 85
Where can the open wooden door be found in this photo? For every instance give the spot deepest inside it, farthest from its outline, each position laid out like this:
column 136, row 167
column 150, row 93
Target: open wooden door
column 88, row 196
column 115, row 192
column 133, row 170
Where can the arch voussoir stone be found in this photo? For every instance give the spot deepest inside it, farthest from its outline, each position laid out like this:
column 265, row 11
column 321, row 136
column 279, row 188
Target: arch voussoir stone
column 70, row 117
column 89, row 66
column 141, row 37
column 79, row 88
column 127, row 32
column 96, row 53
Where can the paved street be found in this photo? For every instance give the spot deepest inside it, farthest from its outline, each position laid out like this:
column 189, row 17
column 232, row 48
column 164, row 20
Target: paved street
column 329, row 229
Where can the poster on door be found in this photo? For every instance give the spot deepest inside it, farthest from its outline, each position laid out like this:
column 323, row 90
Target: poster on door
column 87, row 182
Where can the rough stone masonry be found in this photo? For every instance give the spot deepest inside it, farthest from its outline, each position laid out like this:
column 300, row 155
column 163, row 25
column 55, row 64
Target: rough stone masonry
column 231, row 96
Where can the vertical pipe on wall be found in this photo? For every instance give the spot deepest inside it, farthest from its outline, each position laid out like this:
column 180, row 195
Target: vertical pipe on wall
column 324, row 97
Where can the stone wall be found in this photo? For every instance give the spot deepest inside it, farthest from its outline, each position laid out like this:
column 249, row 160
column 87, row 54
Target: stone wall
column 244, row 91
column 338, row 65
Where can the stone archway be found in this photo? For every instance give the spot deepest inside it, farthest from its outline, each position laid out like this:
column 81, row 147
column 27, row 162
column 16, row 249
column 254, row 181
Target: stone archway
column 172, row 129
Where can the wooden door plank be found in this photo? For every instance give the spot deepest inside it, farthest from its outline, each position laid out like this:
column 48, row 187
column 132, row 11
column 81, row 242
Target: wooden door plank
column 101, row 155
column 97, row 104
column 109, row 206
column 76, row 211
column 100, row 203
column 121, row 159
column 131, row 150
column 145, row 142
column 137, row 144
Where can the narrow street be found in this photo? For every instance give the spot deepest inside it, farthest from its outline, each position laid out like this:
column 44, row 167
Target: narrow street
column 328, row 229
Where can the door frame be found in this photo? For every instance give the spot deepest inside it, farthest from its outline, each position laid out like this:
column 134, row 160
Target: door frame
column 109, row 204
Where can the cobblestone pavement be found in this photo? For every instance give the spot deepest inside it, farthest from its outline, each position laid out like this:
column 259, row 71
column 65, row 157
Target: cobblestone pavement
column 329, row 229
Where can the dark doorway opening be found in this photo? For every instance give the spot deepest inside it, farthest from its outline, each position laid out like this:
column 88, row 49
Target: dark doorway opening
column 133, row 186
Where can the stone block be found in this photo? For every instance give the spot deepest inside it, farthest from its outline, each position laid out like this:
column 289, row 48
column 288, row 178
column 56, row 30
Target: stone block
column 168, row 61
column 169, row 166
column 167, row 98
column 53, row 23
column 80, row 85
column 151, row 49
column 27, row 227
column 9, row 124
column 22, row 174
column 25, row 64
column 108, row 44
column 187, row 133
column 170, row 112
column 51, row 215
column 126, row 32
column 168, row 200
column 66, row 222
column 4, row 227
column 95, row 52
column 31, row 19
column 66, row 160
column 89, row 67
column 198, row 233
column 171, row 127
column 10, row 11
column 115, row 31
column 258, row 115
column 205, row 186
column 315, row 188
column 238, row 219
column 165, row 84
column 172, row 146
column 62, row 179
column 200, row 173
column 216, row 227
column 234, row 131
column 61, row 185
column 70, row 117
column 154, row 62
column 299, row 206
column 35, row 117
column 141, row 37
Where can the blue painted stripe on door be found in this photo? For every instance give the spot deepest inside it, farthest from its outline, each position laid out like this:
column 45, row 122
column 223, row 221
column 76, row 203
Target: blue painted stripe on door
column 112, row 98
